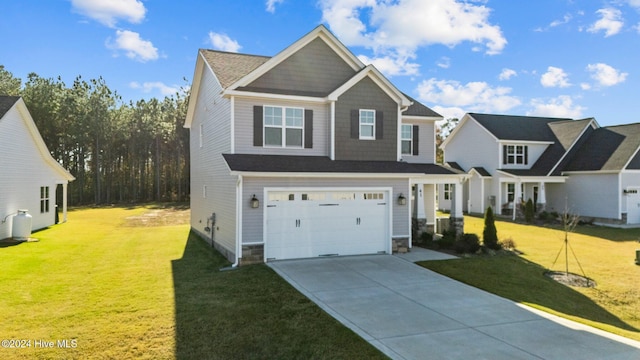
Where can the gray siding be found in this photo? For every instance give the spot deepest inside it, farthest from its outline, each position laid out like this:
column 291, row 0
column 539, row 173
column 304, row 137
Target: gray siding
column 587, row 195
column 209, row 169
column 244, row 128
column 366, row 95
column 22, row 172
column 315, row 68
column 426, row 143
column 252, row 227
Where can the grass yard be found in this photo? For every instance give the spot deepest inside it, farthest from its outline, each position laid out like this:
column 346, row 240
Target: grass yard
column 606, row 255
column 133, row 283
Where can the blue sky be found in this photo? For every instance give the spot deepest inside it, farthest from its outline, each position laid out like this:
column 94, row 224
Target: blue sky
column 564, row 58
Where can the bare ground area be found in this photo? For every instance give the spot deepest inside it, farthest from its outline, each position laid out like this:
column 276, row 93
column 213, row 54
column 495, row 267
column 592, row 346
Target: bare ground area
column 160, row 217
column 570, row 279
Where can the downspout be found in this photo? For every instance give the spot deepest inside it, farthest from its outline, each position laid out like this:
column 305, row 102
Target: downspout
column 238, row 221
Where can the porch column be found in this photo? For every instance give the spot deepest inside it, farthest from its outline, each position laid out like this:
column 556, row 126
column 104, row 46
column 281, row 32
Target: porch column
column 419, row 212
column 456, row 220
column 516, row 198
column 542, row 196
column 64, row 202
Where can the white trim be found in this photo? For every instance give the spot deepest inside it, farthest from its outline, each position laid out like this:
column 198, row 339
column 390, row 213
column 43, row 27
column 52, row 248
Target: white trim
column 283, row 127
column 592, row 172
column 524, row 142
column 377, row 77
column 271, row 96
column 620, row 196
column 421, row 118
column 332, row 131
column 373, row 125
column 432, row 178
column 239, row 192
column 402, row 139
column 410, row 206
column 254, row 243
column 232, row 122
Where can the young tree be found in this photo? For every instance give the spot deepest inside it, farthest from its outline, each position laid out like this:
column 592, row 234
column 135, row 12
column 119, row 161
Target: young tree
column 490, row 233
column 529, row 211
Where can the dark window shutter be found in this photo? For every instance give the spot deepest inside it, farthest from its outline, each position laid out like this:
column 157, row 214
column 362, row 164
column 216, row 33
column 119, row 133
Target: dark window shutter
column 308, row 129
column 257, row 126
column 355, row 124
column 526, row 155
column 504, row 154
column 415, row 139
column 379, row 123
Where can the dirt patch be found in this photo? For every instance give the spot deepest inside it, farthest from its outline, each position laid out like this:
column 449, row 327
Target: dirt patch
column 570, row 279
column 160, row 217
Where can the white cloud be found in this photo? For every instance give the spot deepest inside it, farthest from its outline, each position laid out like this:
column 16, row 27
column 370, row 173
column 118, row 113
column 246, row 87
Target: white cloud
column 107, row 12
column 473, row 96
column 564, row 20
column 507, row 74
column 449, row 112
column 554, row 77
column 444, row 62
column 606, row 75
column 398, row 28
column 585, row 86
column 134, row 47
column 392, row 65
column 561, row 106
column 271, row 5
column 223, row 42
column 610, row 22
column 148, row 87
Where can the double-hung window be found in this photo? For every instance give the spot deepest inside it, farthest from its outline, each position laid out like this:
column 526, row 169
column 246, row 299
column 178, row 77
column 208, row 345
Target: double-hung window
column 367, row 124
column 406, row 137
column 283, row 126
column 44, row 199
column 447, row 191
column 515, row 154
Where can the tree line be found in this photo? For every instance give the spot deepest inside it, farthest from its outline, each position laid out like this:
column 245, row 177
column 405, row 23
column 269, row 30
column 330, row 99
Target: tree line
column 118, row 152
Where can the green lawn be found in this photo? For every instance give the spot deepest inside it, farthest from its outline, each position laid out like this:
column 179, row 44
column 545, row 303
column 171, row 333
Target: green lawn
column 606, row 255
column 123, row 285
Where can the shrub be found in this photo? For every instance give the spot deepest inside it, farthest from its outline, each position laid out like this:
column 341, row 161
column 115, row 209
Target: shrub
column 529, row 211
column 447, row 240
column 467, row 244
column 426, row 238
column 490, row 233
column 508, row 243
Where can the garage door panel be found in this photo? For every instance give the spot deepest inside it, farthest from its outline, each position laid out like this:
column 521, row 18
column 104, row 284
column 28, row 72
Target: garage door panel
column 312, row 223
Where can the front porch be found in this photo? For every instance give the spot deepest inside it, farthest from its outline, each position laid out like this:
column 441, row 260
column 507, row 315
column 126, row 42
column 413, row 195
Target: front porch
column 514, row 191
column 424, row 216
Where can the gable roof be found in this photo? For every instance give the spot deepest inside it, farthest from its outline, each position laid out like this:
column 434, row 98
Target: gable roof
column 418, row 109
column 9, row 102
column 518, row 128
column 231, row 67
column 609, row 148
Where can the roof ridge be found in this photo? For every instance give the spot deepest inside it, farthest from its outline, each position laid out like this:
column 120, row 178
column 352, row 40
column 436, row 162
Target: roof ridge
column 234, row 53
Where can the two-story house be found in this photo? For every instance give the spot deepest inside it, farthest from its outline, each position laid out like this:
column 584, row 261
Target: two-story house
column 561, row 164
column 308, row 153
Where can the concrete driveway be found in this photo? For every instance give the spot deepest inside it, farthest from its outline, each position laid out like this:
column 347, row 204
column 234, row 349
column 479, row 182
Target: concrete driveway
column 409, row 312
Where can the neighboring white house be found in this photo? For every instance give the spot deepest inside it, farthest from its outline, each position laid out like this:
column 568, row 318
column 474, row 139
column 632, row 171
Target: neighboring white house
column 559, row 163
column 308, row 153
column 29, row 175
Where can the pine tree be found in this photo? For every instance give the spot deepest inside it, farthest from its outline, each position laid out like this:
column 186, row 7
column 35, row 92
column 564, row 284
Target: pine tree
column 529, row 212
column 490, row 233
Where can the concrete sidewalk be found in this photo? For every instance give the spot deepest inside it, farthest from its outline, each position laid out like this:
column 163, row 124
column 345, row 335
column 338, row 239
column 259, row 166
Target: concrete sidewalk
column 409, row 312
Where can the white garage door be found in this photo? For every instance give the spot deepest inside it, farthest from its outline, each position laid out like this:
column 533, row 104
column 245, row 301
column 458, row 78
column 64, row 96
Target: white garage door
column 302, row 224
column 633, row 206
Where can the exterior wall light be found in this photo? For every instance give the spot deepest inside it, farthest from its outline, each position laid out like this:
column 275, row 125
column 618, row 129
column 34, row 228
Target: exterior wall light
column 402, row 200
column 255, row 203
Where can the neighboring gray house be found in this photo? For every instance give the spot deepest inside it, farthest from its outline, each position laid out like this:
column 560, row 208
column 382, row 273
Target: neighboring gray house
column 29, row 175
column 308, row 153
column 558, row 163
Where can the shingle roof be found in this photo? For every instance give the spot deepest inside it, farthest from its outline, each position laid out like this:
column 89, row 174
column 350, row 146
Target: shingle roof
column 6, row 103
column 418, row 109
column 607, row 148
column 482, row 171
column 323, row 164
column 521, row 128
column 231, row 67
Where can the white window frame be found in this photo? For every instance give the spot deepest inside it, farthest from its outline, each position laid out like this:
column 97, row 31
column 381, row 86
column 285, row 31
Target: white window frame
column 409, row 139
column 372, row 125
column 283, row 127
column 511, row 192
column 447, row 191
column 516, row 155
column 44, row 199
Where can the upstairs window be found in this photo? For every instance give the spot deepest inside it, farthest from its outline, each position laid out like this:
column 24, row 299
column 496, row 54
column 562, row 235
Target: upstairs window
column 367, row 124
column 515, row 155
column 283, row 126
column 406, row 138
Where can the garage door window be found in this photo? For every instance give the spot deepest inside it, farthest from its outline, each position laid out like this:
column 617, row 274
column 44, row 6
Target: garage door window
column 374, row 196
column 344, row 196
column 313, row 196
column 281, row 197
